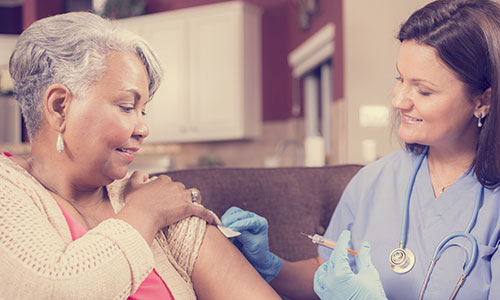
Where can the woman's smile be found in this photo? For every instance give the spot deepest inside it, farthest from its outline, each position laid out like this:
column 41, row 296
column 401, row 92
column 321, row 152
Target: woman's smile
column 127, row 153
column 405, row 119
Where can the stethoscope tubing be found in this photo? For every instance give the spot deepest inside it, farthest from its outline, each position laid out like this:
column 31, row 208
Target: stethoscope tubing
column 406, row 210
column 472, row 257
column 477, row 206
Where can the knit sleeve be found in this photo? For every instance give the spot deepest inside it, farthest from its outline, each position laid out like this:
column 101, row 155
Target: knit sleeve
column 184, row 240
column 38, row 262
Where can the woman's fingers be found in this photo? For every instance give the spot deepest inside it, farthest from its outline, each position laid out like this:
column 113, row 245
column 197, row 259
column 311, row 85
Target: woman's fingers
column 364, row 260
column 202, row 212
column 340, row 256
column 234, row 214
column 166, row 200
column 195, row 195
column 233, row 210
column 320, row 277
column 137, row 178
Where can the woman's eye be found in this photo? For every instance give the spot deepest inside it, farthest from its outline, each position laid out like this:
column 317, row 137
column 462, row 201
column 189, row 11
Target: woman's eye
column 127, row 108
column 423, row 93
column 399, row 78
column 144, row 113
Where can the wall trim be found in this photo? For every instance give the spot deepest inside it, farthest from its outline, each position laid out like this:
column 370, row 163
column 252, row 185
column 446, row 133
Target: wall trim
column 316, row 49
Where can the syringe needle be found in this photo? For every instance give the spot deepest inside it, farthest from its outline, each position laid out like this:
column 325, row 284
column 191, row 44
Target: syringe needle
column 308, row 235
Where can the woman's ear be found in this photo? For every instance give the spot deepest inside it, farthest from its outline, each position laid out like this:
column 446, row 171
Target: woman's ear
column 57, row 98
column 483, row 103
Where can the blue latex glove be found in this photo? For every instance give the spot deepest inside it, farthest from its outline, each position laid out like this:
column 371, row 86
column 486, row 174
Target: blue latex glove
column 253, row 241
column 334, row 280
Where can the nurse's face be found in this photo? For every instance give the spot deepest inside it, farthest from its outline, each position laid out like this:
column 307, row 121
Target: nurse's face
column 434, row 107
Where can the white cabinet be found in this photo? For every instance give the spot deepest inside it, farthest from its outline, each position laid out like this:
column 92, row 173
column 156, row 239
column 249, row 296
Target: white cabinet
column 212, row 60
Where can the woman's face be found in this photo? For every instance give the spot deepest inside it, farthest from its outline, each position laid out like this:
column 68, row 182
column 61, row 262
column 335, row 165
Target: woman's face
column 434, row 107
column 105, row 127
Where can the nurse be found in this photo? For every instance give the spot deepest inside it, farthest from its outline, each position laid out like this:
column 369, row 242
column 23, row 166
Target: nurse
column 445, row 179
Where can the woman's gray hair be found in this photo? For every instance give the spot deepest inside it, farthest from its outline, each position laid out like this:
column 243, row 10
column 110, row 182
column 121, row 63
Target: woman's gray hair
column 70, row 49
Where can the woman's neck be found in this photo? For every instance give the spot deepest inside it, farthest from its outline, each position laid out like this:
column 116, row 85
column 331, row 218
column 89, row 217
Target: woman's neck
column 58, row 179
column 447, row 165
column 88, row 205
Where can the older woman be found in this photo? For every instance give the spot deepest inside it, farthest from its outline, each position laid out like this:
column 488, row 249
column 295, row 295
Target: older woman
column 69, row 229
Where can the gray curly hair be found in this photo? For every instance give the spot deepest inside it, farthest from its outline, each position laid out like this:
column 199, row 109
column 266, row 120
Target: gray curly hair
column 70, row 49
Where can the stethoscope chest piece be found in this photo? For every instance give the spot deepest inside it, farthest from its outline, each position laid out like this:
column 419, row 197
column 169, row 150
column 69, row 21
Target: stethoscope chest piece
column 401, row 260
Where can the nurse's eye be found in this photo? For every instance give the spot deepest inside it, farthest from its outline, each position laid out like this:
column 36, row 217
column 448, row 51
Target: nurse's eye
column 400, row 79
column 423, row 93
column 127, row 109
column 144, row 113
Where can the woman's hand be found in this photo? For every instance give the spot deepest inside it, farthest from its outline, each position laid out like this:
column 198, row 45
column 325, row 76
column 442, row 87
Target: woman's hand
column 253, row 241
column 162, row 200
column 335, row 280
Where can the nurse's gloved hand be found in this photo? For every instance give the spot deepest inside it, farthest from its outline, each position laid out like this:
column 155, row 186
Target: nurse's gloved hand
column 253, row 241
column 334, row 280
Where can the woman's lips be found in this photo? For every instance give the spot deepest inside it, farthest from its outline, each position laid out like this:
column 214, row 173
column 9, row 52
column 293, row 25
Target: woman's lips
column 409, row 119
column 127, row 153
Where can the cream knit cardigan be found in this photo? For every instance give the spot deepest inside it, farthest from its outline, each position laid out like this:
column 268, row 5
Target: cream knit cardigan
column 39, row 259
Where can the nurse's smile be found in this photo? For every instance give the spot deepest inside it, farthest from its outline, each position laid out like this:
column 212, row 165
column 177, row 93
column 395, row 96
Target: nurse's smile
column 405, row 119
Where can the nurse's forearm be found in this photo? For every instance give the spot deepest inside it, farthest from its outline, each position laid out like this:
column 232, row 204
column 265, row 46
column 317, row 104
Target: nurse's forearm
column 295, row 280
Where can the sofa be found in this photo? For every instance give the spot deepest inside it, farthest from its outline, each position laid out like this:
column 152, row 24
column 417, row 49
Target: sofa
column 292, row 199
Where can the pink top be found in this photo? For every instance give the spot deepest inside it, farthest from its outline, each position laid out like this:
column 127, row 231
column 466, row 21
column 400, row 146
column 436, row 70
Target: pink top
column 151, row 288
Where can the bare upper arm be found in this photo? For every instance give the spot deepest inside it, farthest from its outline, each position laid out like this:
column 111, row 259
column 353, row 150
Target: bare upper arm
column 222, row 272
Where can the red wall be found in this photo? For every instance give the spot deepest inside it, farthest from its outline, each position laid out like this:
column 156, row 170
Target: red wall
column 37, row 9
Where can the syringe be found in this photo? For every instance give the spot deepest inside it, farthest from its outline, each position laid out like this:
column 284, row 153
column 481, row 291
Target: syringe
column 318, row 239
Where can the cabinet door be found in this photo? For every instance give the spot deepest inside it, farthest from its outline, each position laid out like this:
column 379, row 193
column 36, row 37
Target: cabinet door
column 167, row 114
column 216, row 78
column 205, row 89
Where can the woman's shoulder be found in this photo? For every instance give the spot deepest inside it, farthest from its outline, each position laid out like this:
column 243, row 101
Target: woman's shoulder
column 389, row 168
column 18, row 187
column 390, row 163
column 11, row 172
column 383, row 177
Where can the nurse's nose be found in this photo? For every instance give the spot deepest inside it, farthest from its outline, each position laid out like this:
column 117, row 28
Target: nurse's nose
column 401, row 97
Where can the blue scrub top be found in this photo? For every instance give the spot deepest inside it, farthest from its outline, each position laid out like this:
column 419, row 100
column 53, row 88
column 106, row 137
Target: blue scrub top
column 372, row 205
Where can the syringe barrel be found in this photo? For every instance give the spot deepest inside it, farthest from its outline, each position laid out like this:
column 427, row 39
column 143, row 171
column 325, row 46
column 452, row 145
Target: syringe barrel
column 318, row 239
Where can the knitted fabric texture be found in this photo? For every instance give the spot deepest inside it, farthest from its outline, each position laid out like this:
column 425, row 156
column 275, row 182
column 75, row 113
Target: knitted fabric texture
column 180, row 242
column 39, row 260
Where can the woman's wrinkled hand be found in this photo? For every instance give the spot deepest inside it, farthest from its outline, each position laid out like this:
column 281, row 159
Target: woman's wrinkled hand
column 163, row 200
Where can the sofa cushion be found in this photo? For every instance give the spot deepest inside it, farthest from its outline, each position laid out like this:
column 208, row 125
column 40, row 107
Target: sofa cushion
column 293, row 199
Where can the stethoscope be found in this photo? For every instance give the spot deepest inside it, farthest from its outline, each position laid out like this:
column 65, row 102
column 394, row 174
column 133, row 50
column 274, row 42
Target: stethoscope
column 402, row 259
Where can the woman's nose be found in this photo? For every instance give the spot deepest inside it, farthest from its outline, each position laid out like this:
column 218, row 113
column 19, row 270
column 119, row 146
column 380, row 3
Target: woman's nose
column 141, row 129
column 400, row 97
